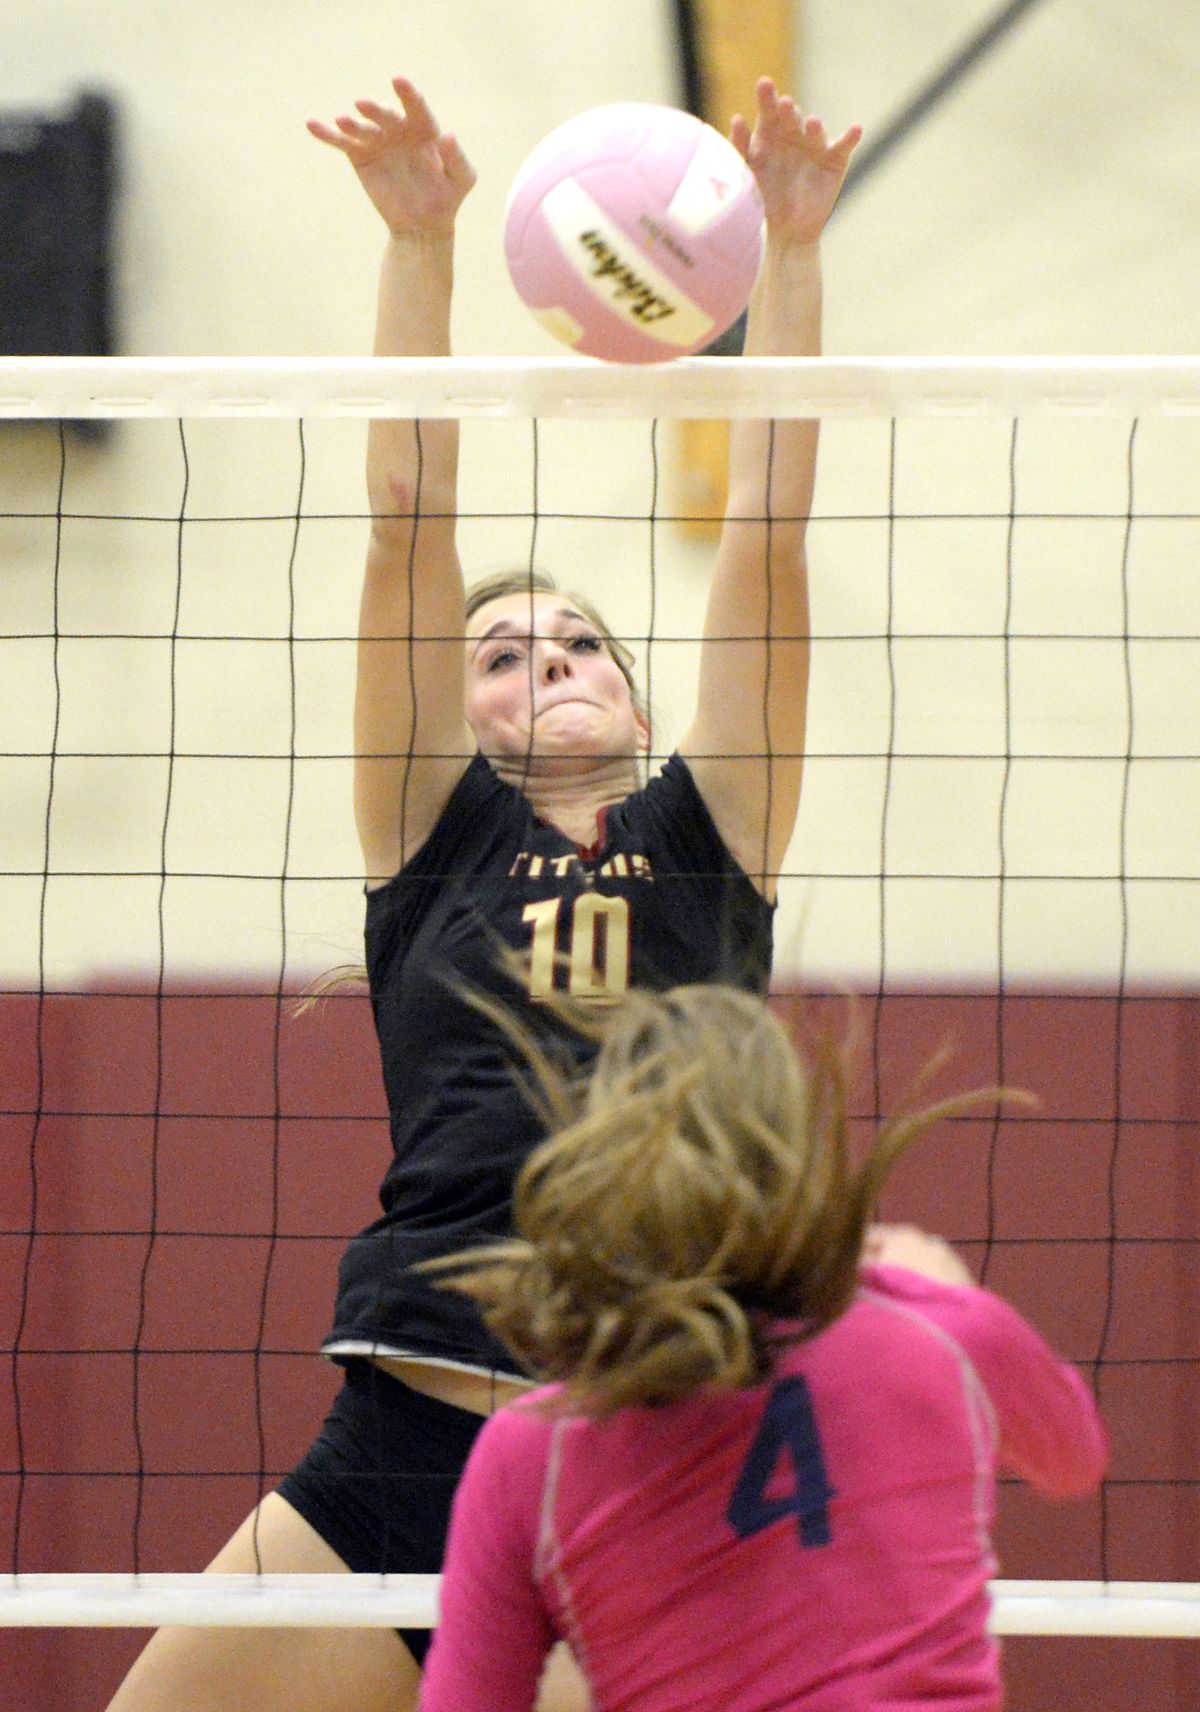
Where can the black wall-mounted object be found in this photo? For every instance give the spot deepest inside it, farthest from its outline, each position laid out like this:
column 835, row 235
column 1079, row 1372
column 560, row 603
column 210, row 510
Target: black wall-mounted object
column 57, row 195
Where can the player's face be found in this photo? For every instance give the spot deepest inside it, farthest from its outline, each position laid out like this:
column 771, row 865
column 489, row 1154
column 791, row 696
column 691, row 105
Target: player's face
column 540, row 679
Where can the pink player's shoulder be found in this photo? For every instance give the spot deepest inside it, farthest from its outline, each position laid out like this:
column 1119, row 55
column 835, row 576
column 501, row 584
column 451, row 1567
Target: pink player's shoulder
column 905, row 1285
column 533, row 1412
column 962, row 1310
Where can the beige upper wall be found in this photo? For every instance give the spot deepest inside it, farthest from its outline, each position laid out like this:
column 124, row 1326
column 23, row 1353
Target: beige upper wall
column 1050, row 204
column 241, row 234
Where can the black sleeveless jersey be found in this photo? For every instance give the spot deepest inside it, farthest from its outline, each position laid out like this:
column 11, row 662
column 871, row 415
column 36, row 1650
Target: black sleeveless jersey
column 659, row 902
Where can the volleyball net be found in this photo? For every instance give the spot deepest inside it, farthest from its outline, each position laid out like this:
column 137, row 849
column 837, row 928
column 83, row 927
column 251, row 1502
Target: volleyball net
column 999, row 844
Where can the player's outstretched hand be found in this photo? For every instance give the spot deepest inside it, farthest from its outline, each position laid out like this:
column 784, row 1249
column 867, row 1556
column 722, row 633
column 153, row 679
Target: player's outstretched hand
column 905, row 1245
column 799, row 171
column 415, row 174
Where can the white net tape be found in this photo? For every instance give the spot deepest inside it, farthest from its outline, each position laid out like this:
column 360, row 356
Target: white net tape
column 1162, row 1609
column 130, row 387
column 965, row 388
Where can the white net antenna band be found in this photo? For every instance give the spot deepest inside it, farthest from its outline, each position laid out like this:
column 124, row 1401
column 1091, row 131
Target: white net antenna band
column 130, row 387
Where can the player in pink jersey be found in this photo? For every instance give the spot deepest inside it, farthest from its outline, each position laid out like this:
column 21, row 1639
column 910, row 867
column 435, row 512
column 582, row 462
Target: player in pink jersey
column 765, row 1475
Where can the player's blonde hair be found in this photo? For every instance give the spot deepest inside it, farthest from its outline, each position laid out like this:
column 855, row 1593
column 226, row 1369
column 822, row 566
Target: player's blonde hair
column 696, row 1201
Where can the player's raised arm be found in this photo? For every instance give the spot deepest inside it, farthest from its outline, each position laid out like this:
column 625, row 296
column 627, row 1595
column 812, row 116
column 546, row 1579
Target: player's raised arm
column 410, row 736
column 745, row 746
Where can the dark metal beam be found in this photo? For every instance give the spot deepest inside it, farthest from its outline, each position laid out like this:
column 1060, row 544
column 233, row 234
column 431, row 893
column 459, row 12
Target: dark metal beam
column 872, row 154
column 691, row 67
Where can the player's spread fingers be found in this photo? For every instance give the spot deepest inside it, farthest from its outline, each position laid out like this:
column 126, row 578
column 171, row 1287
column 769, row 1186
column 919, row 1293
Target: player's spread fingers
column 384, row 117
column 416, row 108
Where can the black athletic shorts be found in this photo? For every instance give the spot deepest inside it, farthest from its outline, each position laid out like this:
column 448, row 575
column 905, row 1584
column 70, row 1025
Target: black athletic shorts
column 378, row 1481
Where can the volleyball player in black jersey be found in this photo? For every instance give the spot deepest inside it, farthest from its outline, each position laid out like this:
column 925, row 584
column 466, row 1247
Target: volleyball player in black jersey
column 501, row 805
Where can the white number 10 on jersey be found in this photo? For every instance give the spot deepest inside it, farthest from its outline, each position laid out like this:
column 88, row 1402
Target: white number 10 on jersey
column 596, row 965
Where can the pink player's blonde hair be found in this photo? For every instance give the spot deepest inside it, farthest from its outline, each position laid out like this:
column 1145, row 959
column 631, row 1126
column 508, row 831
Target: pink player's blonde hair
column 696, row 1198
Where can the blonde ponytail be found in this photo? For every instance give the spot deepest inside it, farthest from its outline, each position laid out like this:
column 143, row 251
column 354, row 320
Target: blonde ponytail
column 697, row 1200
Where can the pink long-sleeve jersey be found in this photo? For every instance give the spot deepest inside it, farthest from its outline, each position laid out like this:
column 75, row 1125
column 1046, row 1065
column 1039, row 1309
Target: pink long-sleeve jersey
column 821, row 1542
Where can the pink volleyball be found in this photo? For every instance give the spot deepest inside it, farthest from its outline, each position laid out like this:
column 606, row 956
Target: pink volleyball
column 634, row 233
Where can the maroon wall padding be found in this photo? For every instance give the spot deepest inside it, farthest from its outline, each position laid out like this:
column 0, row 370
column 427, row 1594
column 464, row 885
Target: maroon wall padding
column 206, row 1239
